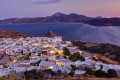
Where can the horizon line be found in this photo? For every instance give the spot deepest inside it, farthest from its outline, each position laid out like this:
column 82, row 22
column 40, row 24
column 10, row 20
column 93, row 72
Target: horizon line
column 61, row 13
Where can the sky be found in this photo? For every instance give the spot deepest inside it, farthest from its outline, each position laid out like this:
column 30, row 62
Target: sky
column 42, row 8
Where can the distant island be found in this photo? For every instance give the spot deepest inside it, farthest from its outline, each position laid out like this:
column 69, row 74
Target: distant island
column 64, row 18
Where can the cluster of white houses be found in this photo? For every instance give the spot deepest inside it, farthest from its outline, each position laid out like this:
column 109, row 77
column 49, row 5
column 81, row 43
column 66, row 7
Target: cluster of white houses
column 13, row 52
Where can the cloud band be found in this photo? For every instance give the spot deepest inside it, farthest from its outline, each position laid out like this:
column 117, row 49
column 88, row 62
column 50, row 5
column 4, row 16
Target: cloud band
column 43, row 2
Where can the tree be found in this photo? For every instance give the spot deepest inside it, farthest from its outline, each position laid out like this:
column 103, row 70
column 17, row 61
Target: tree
column 66, row 51
column 76, row 56
column 94, row 59
column 22, row 52
column 39, row 73
column 59, row 71
column 111, row 73
column 100, row 73
column 101, row 67
column 73, row 67
column 36, row 64
column 30, row 54
column 53, row 73
column 72, row 73
column 33, row 74
column 89, row 71
column 29, row 74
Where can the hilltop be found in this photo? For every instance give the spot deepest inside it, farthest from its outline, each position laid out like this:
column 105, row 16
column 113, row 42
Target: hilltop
column 64, row 18
column 12, row 34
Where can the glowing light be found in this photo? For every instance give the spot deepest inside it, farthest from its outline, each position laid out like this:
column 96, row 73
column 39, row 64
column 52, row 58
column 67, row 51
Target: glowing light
column 51, row 51
column 14, row 61
column 60, row 64
column 50, row 67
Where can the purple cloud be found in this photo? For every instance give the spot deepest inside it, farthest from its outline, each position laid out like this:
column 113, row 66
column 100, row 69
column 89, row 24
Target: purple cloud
column 43, row 2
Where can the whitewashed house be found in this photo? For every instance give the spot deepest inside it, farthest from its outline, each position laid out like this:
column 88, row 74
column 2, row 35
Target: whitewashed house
column 1, row 66
column 20, row 69
column 46, row 65
column 79, row 73
column 4, row 72
column 61, row 68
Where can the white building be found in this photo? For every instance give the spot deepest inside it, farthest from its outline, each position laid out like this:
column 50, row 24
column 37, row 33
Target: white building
column 1, row 66
column 46, row 65
column 79, row 73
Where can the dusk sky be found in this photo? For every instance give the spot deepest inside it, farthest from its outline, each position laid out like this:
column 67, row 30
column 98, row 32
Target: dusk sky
column 40, row 8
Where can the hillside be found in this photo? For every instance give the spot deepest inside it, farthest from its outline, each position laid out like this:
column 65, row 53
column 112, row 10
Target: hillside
column 12, row 34
column 109, row 52
column 104, row 50
column 64, row 18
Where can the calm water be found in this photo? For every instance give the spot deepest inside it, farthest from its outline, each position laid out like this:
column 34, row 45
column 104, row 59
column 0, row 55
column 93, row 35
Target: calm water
column 75, row 31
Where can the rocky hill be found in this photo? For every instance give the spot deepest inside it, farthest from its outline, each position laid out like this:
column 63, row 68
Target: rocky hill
column 63, row 18
column 50, row 34
column 12, row 34
column 106, row 50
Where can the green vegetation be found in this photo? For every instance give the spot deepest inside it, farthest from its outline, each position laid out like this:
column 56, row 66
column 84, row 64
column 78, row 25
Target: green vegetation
column 22, row 52
column 111, row 73
column 101, row 49
column 73, row 67
column 33, row 74
column 29, row 53
column 94, row 59
column 66, row 51
column 101, row 67
column 53, row 73
column 89, row 71
column 59, row 71
column 72, row 73
column 36, row 64
column 100, row 73
column 75, row 57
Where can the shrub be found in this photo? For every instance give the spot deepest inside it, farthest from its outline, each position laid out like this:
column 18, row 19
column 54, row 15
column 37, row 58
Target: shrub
column 72, row 73
column 76, row 56
column 89, row 71
column 100, row 73
column 53, row 73
column 39, row 74
column 111, row 73
column 73, row 67
column 59, row 71
column 66, row 51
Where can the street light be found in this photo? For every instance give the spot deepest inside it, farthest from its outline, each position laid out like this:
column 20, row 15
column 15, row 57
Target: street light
column 51, row 51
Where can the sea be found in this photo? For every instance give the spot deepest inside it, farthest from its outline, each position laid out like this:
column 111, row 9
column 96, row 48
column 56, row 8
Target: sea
column 73, row 31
